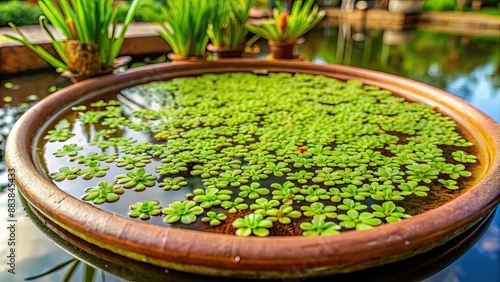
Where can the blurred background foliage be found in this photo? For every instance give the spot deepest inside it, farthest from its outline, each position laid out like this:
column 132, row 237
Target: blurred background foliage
column 25, row 13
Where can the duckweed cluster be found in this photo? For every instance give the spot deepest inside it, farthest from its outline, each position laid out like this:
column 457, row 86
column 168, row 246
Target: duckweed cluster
column 263, row 154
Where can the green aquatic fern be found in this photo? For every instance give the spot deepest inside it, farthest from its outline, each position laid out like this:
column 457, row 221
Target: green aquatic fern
column 185, row 211
column 211, row 197
column 68, row 150
column 138, row 179
column 104, row 192
column 93, row 169
column 319, row 210
column 214, row 219
column 359, row 221
column 287, row 193
column 283, row 215
column 389, row 211
column 319, row 227
column 412, row 187
column 262, row 205
column 314, row 193
column 173, row 183
column 253, row 223
column 144, row 210
column 65, row 173
column 253, row 191
column 450, row 184
column 233, row 206
column 463, row 157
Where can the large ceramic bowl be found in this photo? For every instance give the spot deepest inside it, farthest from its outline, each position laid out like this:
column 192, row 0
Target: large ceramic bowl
column 271, row 257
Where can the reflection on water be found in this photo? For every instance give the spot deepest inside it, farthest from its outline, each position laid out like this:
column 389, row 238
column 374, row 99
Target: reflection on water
column 466, row 66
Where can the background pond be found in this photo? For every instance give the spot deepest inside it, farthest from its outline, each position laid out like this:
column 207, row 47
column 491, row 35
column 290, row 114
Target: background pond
column 466, row 66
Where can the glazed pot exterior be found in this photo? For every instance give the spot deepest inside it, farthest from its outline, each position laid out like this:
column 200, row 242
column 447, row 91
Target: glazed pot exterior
column 271, row 257
column 282, row 50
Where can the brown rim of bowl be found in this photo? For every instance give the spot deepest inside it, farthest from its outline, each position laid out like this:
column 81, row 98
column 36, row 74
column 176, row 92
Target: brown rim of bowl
column 227, row 255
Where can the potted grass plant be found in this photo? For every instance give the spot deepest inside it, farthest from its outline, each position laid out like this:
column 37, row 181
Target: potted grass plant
column 227, row 30
column 184, row 25
column 93, row 39
column 283, row 31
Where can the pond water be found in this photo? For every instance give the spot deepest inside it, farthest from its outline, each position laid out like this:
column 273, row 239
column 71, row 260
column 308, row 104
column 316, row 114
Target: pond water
column 465, row 66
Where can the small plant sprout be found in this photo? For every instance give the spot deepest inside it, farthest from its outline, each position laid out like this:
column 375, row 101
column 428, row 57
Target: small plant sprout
column 99, row 104
column 456, row 171
column 284, row 214
column 328, row 177
column 91, row 157
column 450, row 184
column 253, row 191
column 65, row 173
column 387, row 195
column 313, row 193
column 138, row 179
column 254, row 172
column 227, row 163
column 300, row 176
column 360, row 221
column 262, row 205
column 319, row 210
column 412, row 187
column 253, row 223
column 130, row 162
column 389, row 211
column 104, row 192
column 206, row 170
column 173, row 183
column 334, row 194
column 144, row 210
column 237, row 205
column 171, row 168
column 389, row 175
column 234, row 177
column 421, row 172
column 213, row 218
column 93, row 169
column 185, row 211
column 351, row 191
column 211, row 197
column 60, row 135
column 68, row 150
column 319, row 227
column 287, row 193
column 277, row 169
column 463, row 157
column 348, row 204
column 373, row 187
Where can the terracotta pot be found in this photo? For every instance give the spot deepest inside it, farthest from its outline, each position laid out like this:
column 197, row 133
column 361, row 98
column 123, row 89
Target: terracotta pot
column 282, row 50
column 273, row 257
column 226, row 52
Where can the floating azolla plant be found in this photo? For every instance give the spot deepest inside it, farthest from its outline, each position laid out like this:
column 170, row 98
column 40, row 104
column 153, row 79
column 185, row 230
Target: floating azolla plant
column 276, row 154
